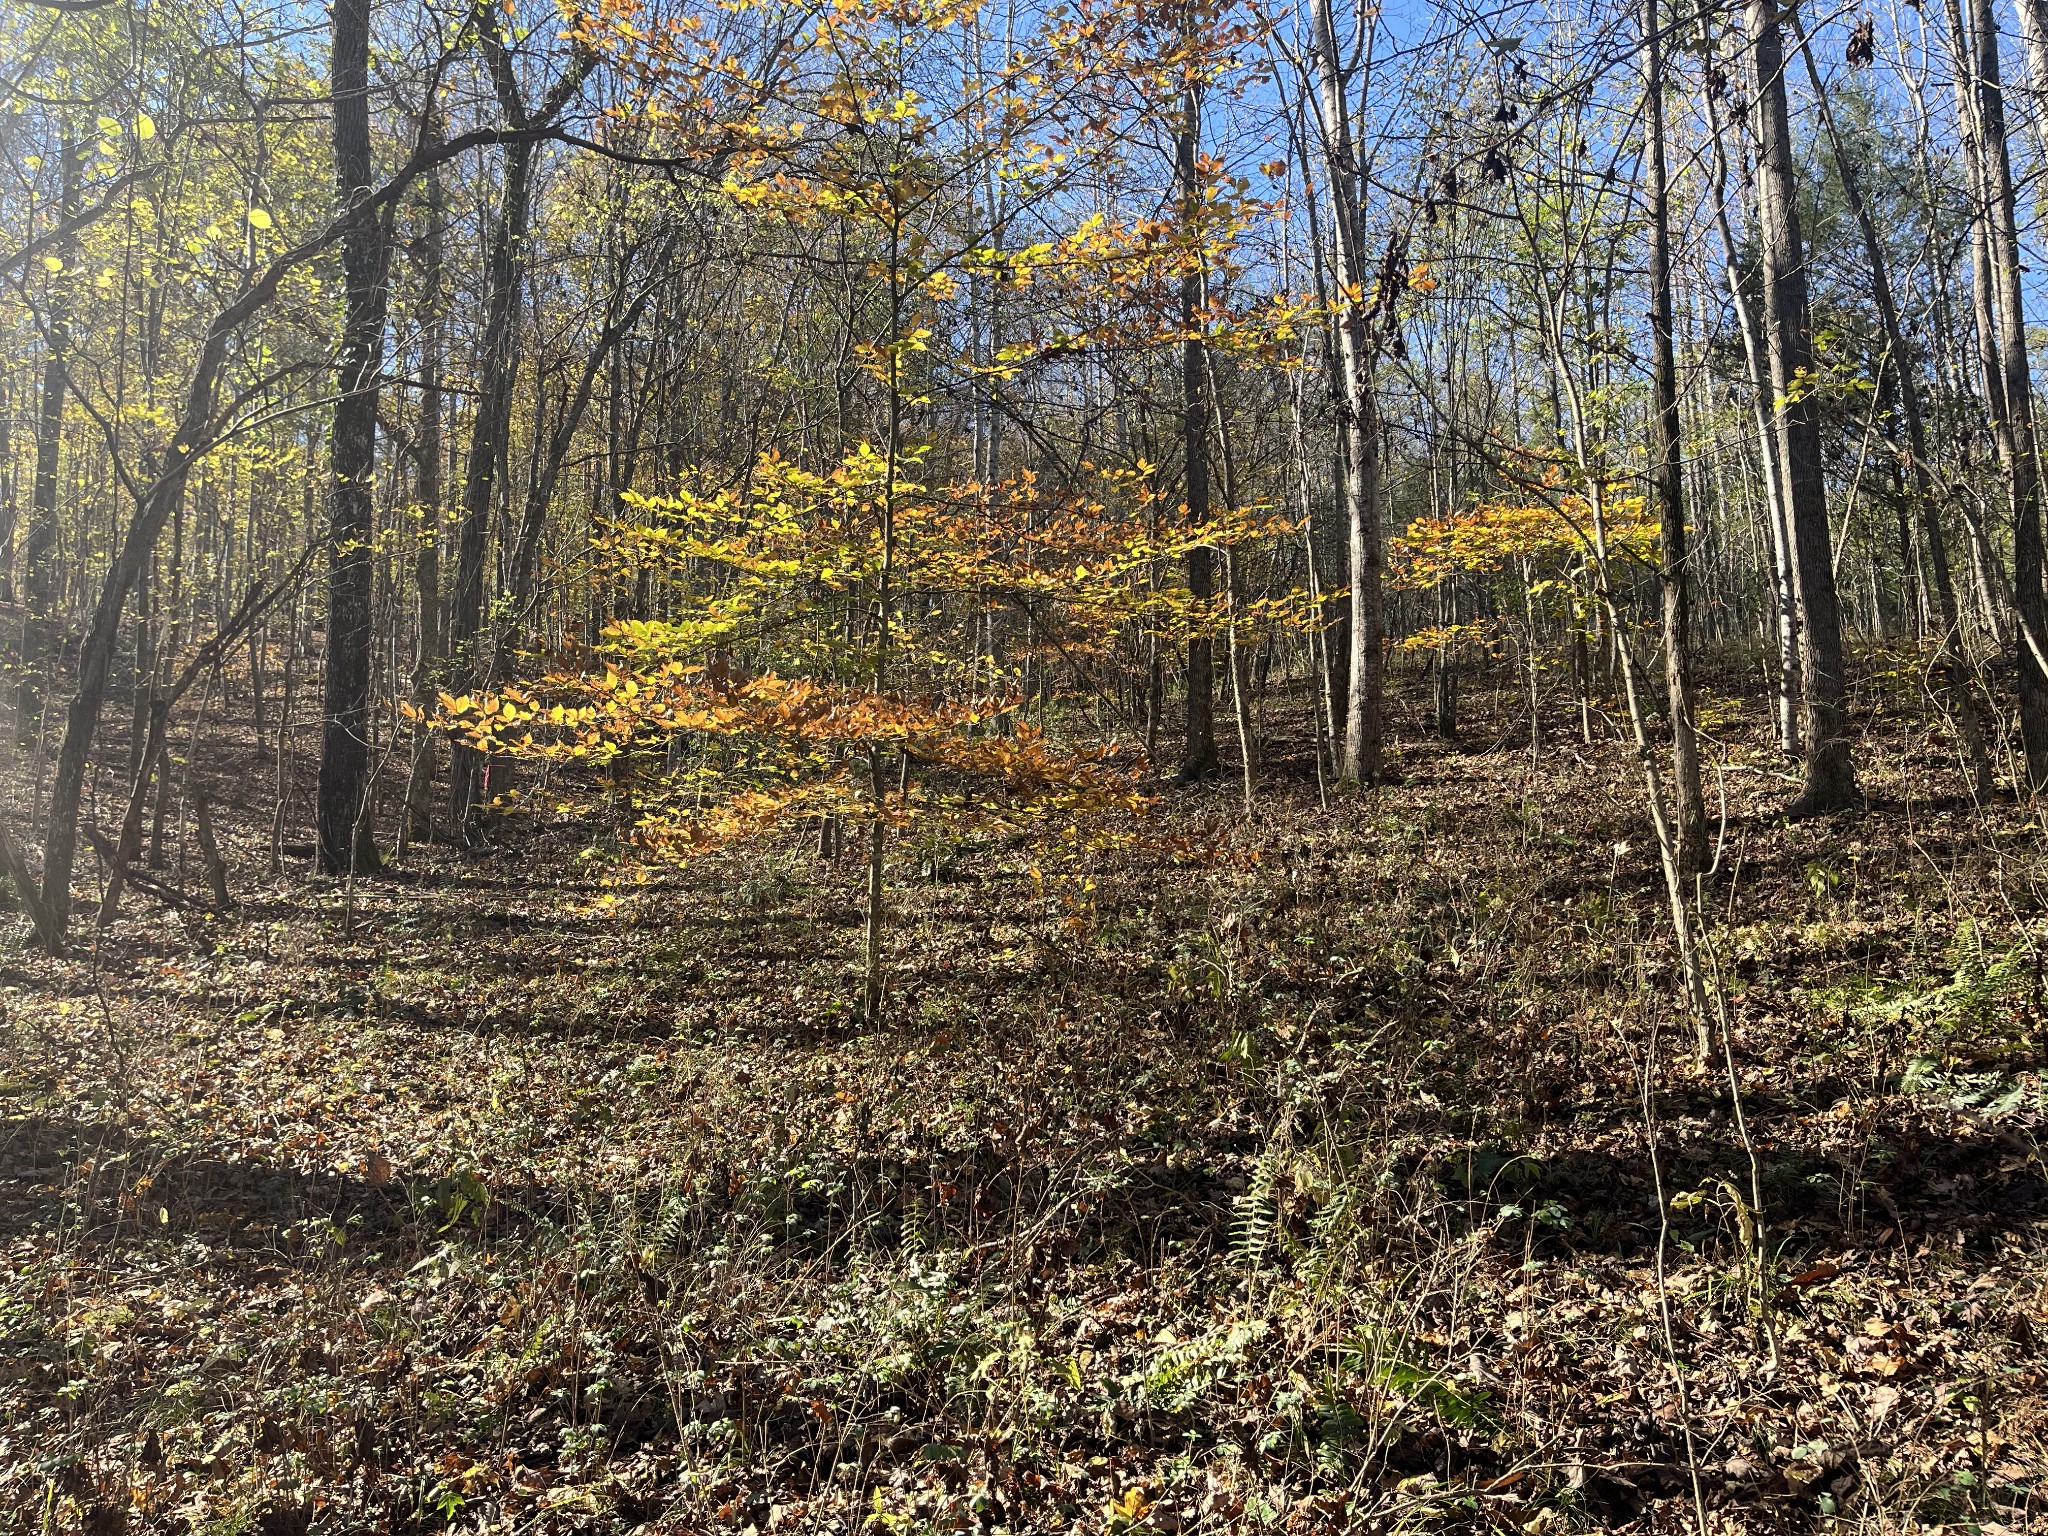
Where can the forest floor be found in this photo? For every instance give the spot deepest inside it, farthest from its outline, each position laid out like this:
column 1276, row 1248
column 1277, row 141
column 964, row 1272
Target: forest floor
column 1288, row 1173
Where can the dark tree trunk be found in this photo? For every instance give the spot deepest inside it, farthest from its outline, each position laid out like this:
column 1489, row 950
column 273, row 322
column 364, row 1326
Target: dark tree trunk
column 498, row 363
column 1667, row 476
column 426, row 564
column 1198, row 754
column 39, row 574
column 497, row 369
column 343, row 833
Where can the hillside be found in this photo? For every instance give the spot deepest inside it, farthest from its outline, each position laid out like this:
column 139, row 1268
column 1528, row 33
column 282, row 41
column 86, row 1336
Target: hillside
column 1289, row 1173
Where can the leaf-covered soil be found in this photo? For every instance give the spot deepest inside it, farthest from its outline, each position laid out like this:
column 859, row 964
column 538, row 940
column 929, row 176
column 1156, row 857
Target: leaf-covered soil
column 1208, row 1174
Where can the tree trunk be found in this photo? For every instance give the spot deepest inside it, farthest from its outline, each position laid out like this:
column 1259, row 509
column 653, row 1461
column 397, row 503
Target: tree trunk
column 39, row 575
column 2012, row 420
column 548, row 471
column 1830, row 779
column 498, row 362
column 1898, row 375
column 1198, row 752
column 418, row 823
column 497, row 369
column 1667, row 478
column 1358, row 412
column 344, row 838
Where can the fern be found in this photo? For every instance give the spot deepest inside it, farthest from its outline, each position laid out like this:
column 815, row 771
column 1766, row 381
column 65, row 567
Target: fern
column 1329, row 1232
column 1180, row 1373
column 1255, row 1212
column 667, row 1234
column 1983, row 983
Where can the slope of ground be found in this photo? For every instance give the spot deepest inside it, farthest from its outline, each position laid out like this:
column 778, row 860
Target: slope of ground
column 1283, row 1173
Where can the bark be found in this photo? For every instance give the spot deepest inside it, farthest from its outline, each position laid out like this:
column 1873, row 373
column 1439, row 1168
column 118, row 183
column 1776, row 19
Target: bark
column 497, row 368
column 418, row 822
column 1667, row 479
column 1778, row 539
column 215, row 866
column 1998, row 281
column 1198, row 750
column 39, row 574
column 498, row 362
column 10, row 508
column 344, row 836
column 1358, row 412
column 1830, row 780
column 14, row 863
column 1897, row 375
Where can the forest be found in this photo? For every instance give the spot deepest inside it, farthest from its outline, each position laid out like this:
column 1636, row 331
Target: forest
column 1023, row 766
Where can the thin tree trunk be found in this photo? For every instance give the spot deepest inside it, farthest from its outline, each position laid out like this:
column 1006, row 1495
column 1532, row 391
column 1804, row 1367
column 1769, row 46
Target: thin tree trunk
column 497, row 368
column 1198, row 751
column 418, row 821
column 245, row 617
column 1778, row 529
column 1667, row 479
column 39, row 573
column 498, row 361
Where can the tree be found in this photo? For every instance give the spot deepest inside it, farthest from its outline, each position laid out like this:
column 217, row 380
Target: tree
column 1667, row 471
column 497, row 373
column 1198, row 756
column 2009, row 388
column 343, row 836
column 1830, row 781
column 1358, row 407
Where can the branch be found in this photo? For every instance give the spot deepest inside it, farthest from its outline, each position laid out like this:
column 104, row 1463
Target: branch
column 66, row 228
column 29, row 890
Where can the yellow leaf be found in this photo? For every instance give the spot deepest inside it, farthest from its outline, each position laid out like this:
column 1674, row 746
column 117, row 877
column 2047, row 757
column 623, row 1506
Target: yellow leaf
column 259, row 218
column 53, row 264
column 145, row 126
